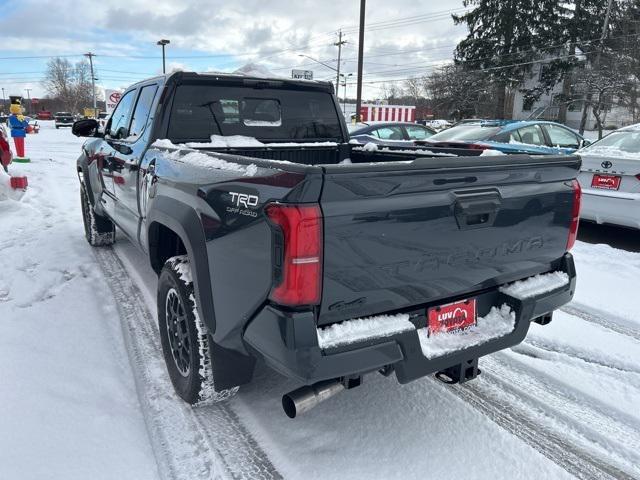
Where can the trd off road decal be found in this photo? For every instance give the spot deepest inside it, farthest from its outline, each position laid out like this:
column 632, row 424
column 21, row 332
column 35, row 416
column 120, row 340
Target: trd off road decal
column 243, row 204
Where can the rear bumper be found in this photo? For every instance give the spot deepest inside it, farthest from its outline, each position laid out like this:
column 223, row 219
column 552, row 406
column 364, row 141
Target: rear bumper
column 288, row 341
column 611, row 207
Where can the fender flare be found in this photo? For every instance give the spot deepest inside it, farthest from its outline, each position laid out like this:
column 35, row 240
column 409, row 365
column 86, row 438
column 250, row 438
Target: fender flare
column 185, row 222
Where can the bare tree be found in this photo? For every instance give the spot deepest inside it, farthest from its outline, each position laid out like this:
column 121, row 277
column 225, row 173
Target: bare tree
column 68, row 83
column 456, row 93
column 414, row 88
column 601, row 85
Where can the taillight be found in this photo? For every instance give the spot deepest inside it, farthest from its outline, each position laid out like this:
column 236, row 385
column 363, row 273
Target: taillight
column 478, row 146
column 575, row 214
column 300, row 255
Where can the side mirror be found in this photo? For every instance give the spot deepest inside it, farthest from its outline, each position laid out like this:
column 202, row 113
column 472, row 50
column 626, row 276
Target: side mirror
column 85, row 128
column 585, row 143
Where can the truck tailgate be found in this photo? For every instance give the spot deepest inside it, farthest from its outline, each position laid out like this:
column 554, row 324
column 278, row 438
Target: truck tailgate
column 406, row 234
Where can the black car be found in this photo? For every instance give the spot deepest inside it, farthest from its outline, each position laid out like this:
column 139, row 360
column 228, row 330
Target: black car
column 390, row 133
column 63, row 119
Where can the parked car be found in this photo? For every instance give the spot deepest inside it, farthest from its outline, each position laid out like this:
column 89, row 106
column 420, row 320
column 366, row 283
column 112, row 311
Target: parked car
column 44, row 115
column 511, row 136
column 436, row 125
column 63, row 119
column 390, row 133
column 610, row 178
column 270, row 246
column 102, row 120
column 5, row 150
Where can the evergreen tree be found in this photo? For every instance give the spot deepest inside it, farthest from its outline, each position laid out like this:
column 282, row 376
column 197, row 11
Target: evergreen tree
column 504, row 37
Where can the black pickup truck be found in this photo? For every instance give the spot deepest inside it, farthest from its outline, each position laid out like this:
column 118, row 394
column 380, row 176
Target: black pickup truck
column 277, row 240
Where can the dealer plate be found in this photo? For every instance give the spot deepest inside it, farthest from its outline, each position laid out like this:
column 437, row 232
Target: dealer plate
column 606, row 182
column 452, row 317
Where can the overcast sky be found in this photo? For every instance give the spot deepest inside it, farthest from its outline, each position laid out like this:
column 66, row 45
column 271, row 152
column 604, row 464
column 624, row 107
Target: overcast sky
column 403, row 38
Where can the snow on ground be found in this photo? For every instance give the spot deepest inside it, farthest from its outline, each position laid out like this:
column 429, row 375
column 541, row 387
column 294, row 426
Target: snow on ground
column 69, row 403
column 70, row 408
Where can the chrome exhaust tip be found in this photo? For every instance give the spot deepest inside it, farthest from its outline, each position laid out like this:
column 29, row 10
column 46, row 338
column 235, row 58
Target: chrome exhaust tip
column 305, row 398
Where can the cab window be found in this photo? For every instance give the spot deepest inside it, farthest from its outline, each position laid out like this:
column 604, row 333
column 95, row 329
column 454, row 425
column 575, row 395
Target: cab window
column 532, row 135
column 561, row 137
column 142, row 110
column 388, row 133
column 417, row 132
column 119, row 126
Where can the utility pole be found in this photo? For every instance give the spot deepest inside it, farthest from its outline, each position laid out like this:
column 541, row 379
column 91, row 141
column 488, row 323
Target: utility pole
column 339, row 44
column 28, row 90
column 93, row 81
column 596, row 65
column 360, row 59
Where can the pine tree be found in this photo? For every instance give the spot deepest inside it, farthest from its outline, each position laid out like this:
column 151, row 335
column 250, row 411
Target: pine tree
column 508, row 38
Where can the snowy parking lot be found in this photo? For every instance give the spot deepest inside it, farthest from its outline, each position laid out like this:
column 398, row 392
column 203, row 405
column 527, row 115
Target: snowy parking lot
column 85, row 394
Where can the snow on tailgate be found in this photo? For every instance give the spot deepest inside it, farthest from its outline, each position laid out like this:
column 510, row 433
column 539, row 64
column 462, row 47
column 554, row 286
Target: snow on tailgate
column 498, row 322
column 359, row 329
column 537, row 285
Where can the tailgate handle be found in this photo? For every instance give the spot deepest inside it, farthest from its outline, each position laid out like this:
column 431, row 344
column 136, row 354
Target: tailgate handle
column 476, row 210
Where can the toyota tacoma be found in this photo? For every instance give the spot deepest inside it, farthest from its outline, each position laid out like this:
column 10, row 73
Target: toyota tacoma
column 276, row 240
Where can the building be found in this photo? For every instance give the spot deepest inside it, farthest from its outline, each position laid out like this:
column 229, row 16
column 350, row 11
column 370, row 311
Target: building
column 547, row 106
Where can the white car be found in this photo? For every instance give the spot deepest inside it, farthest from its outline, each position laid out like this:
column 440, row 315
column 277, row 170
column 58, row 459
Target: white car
column 610, row 179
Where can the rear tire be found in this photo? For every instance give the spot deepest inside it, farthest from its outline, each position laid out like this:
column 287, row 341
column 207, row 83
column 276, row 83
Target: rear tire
column 184, row 336
column 98, row 230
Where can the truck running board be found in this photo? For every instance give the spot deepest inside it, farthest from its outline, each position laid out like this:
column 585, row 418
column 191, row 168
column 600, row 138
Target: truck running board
column 461, row 373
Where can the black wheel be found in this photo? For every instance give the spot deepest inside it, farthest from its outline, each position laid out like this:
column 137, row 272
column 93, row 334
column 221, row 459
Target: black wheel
column 98, row 230
column 184, row 337
column 57, row 127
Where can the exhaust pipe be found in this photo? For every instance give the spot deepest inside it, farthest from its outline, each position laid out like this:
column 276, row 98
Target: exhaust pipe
column 305, row 398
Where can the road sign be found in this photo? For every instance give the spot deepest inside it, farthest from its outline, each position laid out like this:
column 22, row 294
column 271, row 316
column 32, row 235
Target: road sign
column 112, row 97
column 302, row 74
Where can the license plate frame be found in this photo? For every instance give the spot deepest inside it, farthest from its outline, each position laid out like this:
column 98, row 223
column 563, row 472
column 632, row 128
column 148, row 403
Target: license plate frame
column 605, row 181
column 452, row 317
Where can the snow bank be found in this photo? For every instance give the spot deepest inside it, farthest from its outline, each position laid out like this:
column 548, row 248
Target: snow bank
column 6, row 192
column 497, row 323
column 537, row 285
column 352, row 331
column 491, row 153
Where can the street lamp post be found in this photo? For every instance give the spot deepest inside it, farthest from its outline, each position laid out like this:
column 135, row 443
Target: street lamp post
column 162, row 43
column 344, row 99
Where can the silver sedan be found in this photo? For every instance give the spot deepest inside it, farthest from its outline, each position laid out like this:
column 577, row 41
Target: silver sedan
column 610, row 179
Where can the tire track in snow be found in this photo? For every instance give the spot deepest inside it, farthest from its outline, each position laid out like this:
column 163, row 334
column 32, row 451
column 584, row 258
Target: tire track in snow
column 189, row 443
column 593, row 421
column 607, row 320
column 550, row 443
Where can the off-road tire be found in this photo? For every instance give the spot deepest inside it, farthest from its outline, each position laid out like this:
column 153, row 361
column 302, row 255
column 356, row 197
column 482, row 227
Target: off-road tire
column 184, row 336
column 98, row 230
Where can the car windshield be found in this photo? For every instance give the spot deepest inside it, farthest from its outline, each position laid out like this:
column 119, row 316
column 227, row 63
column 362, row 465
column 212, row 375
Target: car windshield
column 622, row 143
column 465, row 132
column 61, row 114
